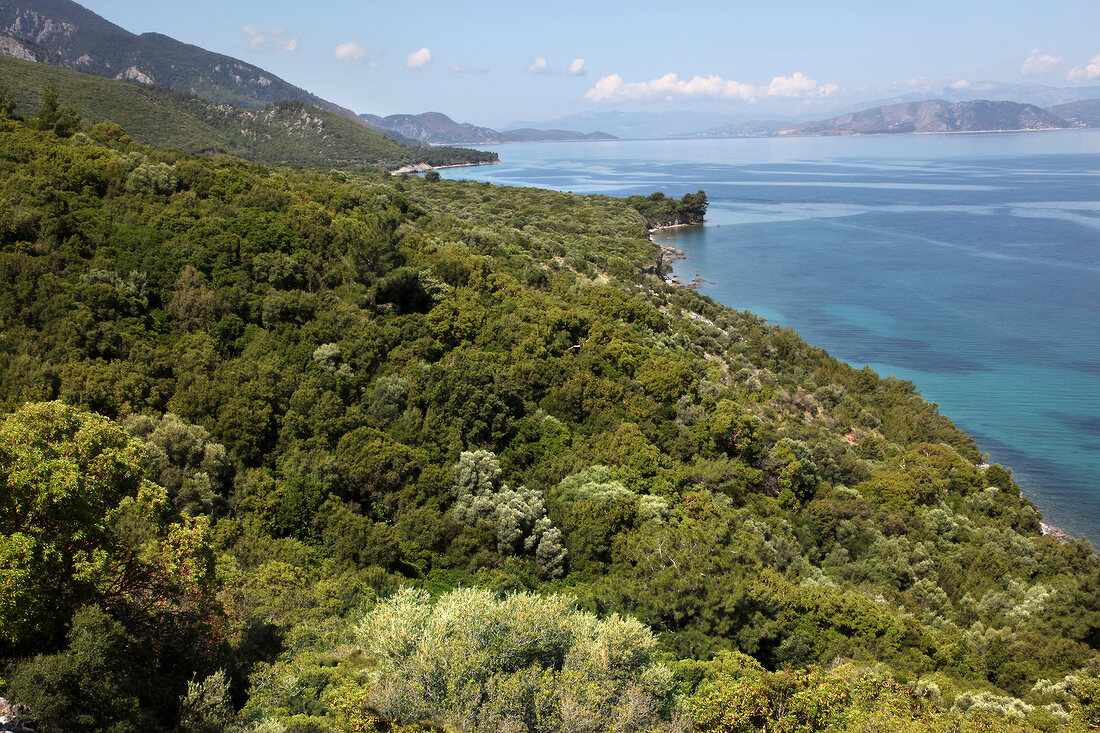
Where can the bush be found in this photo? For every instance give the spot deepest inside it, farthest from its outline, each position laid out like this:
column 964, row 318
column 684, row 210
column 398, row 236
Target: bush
column 474, row 662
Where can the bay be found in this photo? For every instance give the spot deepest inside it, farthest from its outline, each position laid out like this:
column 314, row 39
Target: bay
column 968, row 264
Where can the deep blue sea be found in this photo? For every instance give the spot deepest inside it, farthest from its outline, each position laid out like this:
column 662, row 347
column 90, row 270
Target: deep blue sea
column 967, row 264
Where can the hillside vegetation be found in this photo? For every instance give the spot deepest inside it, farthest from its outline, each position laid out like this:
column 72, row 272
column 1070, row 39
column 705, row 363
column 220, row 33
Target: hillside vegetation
column 287, row 133
column 338, row 451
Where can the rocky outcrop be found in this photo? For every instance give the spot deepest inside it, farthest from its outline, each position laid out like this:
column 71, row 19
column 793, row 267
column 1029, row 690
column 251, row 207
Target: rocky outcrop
column 11, row 718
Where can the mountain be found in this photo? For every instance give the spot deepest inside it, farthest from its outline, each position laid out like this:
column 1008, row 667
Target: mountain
column 1037, row 94
column 82, row 40
column 436, row 128
column 290, row 132
column 1084, row 113
column 432, row 128
column 934, row 115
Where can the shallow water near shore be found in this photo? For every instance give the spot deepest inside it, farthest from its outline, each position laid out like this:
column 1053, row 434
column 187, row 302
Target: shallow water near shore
column 967, row 264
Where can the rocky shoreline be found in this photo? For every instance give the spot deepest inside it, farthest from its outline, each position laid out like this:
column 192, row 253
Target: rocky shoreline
column 424, row 167
column 1049, row 530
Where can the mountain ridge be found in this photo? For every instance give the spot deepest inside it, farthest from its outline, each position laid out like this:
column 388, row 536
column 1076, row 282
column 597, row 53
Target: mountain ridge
column 436, row 128
column 89, row 43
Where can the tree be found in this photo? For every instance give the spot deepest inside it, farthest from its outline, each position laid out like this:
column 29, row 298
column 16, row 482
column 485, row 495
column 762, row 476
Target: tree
column 518, row 515
column 8, row 105
column 69, row 477
column 63, row 121
column 476, row 662
column 81, row 525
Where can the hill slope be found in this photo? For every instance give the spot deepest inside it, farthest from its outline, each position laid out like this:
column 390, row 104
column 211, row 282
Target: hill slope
column 288, row 133
column 1085, row 112
column 346, row 385
column 89, row 43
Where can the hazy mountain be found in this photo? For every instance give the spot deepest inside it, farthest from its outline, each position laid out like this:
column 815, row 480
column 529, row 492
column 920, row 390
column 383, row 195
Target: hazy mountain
column 1036, row 94
column 84, row 41
column 1085, row 113
column 285, row 133
column 436, row 128
column 934, row 115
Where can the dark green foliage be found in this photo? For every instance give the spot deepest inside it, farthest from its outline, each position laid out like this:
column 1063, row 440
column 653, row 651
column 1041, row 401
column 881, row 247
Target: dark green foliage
column 99, row 683
column 305, row 356
column 661, row 211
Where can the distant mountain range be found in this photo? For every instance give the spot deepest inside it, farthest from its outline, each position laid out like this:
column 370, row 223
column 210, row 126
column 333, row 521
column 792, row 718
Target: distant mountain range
column 934, row 115
column 931, row 115
column 436, row 128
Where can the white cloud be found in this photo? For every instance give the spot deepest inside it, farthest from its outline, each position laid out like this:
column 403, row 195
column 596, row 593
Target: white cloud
column 538, row 65
column 576, row 68
column 272, row 38
column 960, row 84
column 668, row 87
column 463, row 69
column 1087, row 72
column 349, row 51
column 418, row 59
column 1039, row 63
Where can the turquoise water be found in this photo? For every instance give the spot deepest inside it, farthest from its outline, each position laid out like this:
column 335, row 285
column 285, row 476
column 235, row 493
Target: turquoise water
column 968, row 264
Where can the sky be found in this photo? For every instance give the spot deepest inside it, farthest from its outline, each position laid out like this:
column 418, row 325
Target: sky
column 493, row 62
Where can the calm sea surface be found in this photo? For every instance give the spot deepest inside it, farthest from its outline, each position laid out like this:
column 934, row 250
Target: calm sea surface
column 968, row 264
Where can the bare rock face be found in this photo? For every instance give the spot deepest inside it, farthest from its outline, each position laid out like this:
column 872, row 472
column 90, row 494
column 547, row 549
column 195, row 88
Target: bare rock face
column 133, row 73
column 11, row 717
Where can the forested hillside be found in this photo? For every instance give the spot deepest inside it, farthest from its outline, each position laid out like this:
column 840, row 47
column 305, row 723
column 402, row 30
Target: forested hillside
column 338, row 451
column 286, row 133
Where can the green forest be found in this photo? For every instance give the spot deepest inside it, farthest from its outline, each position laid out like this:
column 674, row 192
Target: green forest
column 311, row 450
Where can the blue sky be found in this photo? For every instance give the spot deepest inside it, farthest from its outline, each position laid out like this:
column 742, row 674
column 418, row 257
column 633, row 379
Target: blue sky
column 493, row 62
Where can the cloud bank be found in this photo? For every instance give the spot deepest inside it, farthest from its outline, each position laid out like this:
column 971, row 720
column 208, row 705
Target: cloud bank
column 1039, row 63
column 417, row 59
column 271, row 39
column 349, row 52
column 538, row 65
column 1087, row 72
column 670, row 87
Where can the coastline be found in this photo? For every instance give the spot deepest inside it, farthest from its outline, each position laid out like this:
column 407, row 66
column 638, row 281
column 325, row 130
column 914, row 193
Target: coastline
column 424, row 167
column 671, row 254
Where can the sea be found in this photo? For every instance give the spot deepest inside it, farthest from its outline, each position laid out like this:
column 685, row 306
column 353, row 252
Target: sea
column 968, row 264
